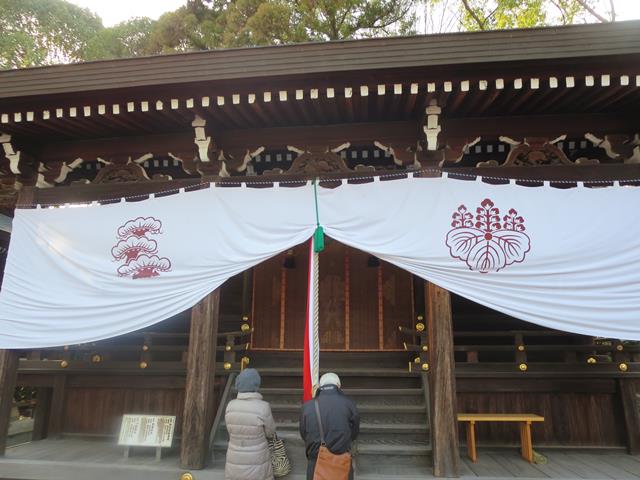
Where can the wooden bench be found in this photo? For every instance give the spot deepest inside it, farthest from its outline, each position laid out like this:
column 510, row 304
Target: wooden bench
column 524, row 419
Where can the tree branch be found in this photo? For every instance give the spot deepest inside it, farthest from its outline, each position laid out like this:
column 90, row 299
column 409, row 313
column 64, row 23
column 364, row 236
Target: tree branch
column 613, row 11
column 473, row 14
column 588, row 8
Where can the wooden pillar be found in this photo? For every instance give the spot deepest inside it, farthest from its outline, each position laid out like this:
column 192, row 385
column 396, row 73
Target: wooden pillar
column 630, row 393
column 8, row 375
column 56, row 412
column 9, row 361
column 41, row 413
column 199, row 401
column 443, row 410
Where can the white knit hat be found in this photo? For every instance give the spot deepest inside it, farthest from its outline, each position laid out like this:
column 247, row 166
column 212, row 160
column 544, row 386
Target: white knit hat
column 330, row 379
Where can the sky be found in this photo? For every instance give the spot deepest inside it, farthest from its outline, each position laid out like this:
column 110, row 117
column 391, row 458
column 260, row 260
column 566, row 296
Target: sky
column 115, row 11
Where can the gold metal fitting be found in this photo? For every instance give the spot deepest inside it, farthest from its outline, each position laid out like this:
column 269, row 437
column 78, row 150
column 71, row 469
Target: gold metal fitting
column 523, row 367
column 592, row 360
column 416, row 360
column 186, row 476
column 419, row 318
column 245, row 327
column 227, row 348
column 623, row 367
column 404, row 345
column 619, row 347
column 145, row 348
column 96, row 358
column 245, row 318
column 425, row 348
column 521, row 348
column 420, row 327
column 64, row 364
column 245, row 360
column 227, row 366
column 144, row 365
column 425, row 367
column 410, row 367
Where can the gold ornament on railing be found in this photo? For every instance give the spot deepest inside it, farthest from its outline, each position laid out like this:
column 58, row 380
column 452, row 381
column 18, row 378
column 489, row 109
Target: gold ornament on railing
column 143, row 365
column 244, row 363
column 245, row 318
column 419, row 318
column 521, row 348
column 416, row 360
column 523, row 367
column 245, row 327
column 145, row 348
column 186, row 476
column 425, row 367
column 227, row 366
column 425, row 348
column 620, row 347
column 96, row 358
column 592, row 360
column 64, row 364
column 420, row 327
column 227, row 348
column 623, row 367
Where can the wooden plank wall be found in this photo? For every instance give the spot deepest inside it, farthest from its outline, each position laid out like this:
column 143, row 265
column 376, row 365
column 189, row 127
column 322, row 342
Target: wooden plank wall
column 95, row 405
column 361, row 305
column 577, row 413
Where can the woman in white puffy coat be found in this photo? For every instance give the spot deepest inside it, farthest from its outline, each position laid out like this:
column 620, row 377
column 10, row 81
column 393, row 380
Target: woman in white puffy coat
column 249, row 423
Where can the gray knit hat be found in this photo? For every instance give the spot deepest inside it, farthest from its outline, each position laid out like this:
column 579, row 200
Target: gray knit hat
column 248, row 381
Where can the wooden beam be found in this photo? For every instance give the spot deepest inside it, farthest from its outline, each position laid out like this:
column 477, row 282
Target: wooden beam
column 630, row 393
column 199, row 389
column 8, row 373
column 444, row 427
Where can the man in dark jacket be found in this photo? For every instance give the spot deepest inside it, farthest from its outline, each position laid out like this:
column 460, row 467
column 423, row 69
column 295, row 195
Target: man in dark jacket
column 340, row 421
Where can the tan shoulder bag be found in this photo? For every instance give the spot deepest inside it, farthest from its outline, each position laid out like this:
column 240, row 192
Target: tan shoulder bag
column 330, row 466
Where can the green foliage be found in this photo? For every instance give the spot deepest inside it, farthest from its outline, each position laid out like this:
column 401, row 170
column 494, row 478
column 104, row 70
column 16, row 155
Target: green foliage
column 205, row 24
column 127, row 39
column 504, row 14
column 42, row 32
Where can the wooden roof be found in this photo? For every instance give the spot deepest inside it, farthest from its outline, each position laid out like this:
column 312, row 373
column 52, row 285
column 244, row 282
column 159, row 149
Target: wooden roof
column 527, row 45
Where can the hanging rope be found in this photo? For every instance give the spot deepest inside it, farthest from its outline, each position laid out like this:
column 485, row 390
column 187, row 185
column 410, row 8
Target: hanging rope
column 318, row 235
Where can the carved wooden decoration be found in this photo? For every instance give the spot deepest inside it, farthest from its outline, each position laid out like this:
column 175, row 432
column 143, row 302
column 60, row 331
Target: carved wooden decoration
column 403, row 155
column 535, row 151
column 618, row 147
column 313, row 162
column 452, row 152
column 119, row 173
column 237, row 159
column 432, row 126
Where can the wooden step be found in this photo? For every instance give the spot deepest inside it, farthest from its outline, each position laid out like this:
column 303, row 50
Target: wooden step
column 354, row 392
column 362, row 409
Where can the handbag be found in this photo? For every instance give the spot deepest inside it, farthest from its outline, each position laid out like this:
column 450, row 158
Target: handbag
column 330, row 466
column 279, row 460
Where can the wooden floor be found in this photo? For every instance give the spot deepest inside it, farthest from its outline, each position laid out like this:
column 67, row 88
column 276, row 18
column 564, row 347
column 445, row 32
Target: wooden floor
column 95, row 459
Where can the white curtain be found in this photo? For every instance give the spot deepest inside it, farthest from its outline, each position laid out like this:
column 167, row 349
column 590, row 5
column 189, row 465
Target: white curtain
column 567, row 259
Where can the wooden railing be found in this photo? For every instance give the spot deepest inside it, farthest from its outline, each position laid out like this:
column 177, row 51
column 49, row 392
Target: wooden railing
column 526, row 349
column 154, row 351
